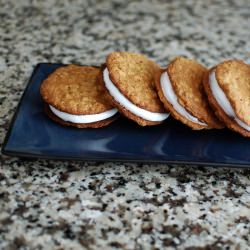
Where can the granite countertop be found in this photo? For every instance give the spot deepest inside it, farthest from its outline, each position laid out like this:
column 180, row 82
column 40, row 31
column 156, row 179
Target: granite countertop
column 74, row 205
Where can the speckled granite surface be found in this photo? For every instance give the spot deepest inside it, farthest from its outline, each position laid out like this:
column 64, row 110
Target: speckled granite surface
column 72, row 205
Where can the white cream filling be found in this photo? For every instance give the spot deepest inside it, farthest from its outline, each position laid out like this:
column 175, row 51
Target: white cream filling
column 83, row 118
column 222, row 100
column 170, row 95
column 119, row 97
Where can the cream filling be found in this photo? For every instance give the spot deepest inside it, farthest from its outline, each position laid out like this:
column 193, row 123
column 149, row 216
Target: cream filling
column 222, row 100
column 119, row 97
column 83, row 118
column 170, row 95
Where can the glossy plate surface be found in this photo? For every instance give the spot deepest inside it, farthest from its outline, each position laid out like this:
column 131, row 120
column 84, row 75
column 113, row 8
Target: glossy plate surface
column 32, row 134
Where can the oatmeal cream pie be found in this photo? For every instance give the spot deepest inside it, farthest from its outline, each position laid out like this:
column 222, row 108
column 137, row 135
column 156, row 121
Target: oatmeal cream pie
column 129, row 80
column 181, row 90
column 228, row 89
column 74, row 96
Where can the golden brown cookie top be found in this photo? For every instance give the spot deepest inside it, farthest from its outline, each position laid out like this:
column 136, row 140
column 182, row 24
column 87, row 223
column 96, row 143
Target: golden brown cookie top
column 186, row 77
column 133, row 74
column 233, row 76
column 75, row 90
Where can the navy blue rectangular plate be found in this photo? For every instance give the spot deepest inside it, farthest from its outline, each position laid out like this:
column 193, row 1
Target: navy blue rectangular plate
column 33, row 135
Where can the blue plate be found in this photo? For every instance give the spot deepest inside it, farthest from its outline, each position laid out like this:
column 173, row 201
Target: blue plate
column 32, row 134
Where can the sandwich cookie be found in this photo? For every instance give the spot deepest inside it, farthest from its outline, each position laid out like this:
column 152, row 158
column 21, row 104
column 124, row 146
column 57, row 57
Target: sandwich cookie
column 129, row 80
column 228, row 89
column 74, row 96
column 180, row 89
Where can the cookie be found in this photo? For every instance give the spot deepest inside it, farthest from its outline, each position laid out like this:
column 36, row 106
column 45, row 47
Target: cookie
column 129, row 80
column 228, row 89
column 75, row 97
column 181, row 90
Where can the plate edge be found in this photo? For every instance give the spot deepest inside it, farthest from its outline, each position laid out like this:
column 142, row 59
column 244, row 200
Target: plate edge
column 13, row 119
column 57, row 158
